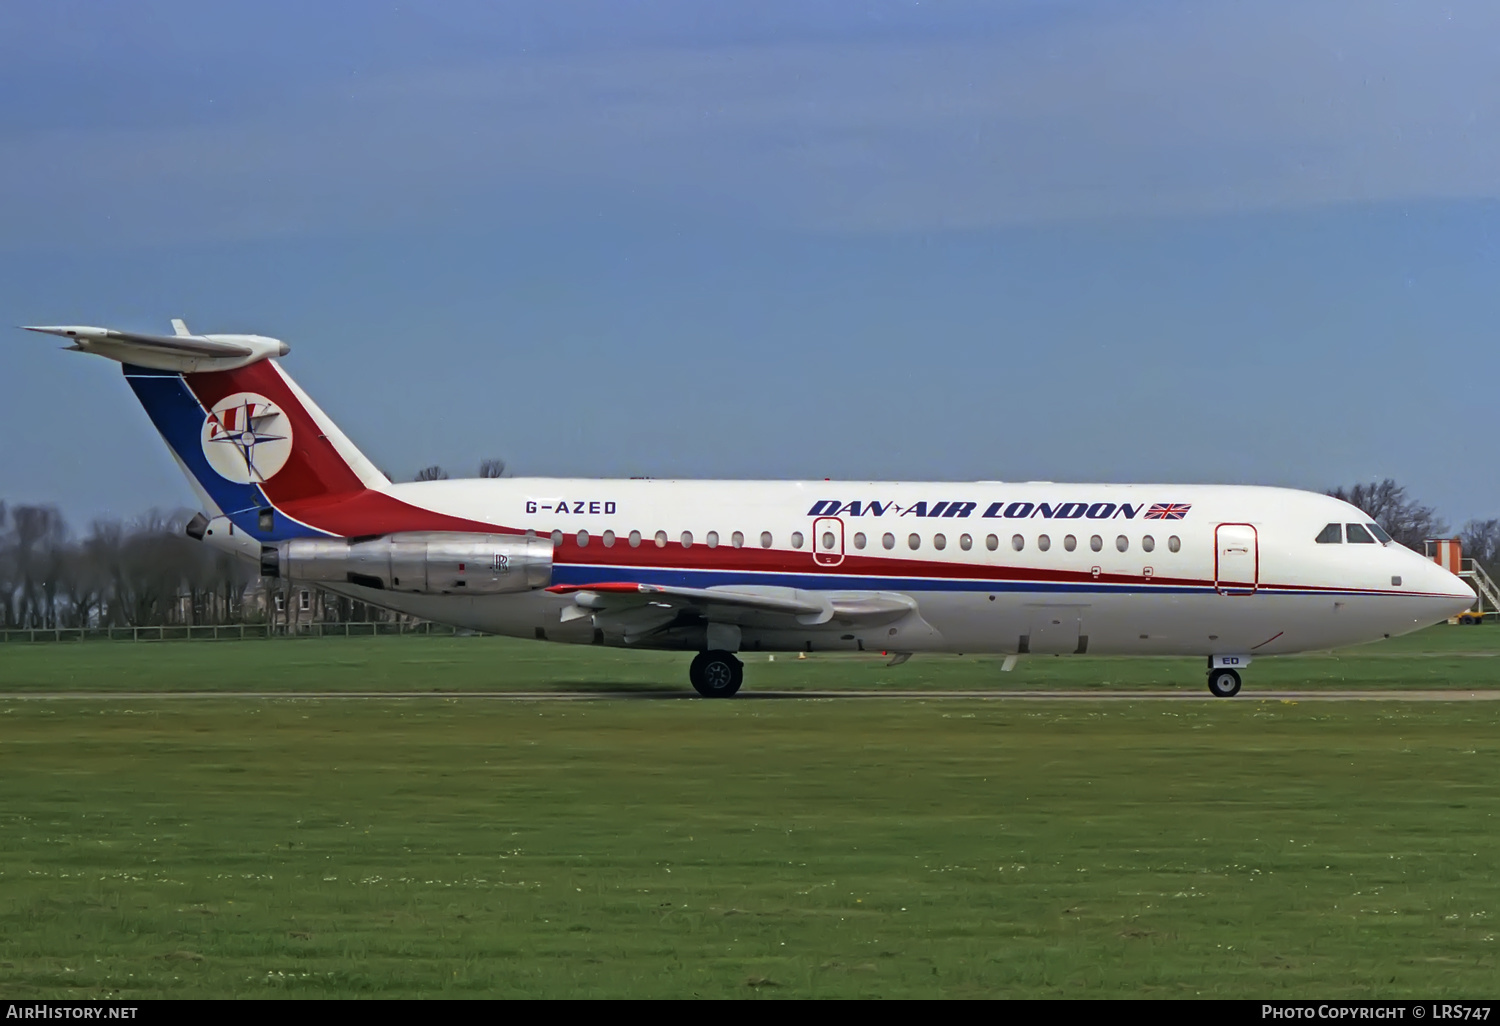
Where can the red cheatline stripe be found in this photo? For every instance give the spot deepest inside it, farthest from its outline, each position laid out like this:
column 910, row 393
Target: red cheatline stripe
column 628, row 587
column 370, row 512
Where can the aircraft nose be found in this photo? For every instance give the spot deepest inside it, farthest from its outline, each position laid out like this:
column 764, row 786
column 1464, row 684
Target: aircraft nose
column 1450, row 593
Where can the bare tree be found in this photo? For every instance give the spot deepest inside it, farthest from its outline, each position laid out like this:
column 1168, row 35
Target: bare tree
column 1481, row 542
column 1387, row 503
column 149, row 573
column 140, row 574
column 8, row 573
column 85, row 583
column 492, row 468
column 432, row 473
column 40, row 541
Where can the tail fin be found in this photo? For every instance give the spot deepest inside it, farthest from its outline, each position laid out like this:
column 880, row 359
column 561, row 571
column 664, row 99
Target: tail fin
column 253, row 445
column 256, row 449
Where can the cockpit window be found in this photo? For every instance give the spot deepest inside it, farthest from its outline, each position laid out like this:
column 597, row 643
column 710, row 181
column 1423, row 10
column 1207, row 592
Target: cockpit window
column 1333, row 534
column 1358, row 534
column 1375, row 529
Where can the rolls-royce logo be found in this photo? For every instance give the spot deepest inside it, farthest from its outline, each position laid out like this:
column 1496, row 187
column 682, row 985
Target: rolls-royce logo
column 247, row 438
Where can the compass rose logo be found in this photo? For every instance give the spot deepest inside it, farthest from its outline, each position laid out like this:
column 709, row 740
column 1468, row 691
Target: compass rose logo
column 247, row 438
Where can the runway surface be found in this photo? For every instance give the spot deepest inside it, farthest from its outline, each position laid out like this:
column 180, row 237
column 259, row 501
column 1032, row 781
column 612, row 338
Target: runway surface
column 603, row 695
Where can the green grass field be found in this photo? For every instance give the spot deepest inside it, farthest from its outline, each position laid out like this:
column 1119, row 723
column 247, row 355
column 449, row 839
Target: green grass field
column 904, row 848
column 1440, row 657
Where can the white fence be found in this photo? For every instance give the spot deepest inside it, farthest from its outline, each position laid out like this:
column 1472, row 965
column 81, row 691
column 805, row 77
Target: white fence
column 226, row 632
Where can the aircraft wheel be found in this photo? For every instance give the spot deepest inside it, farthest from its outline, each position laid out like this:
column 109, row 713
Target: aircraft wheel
column 1224, row 683
column 716, row 674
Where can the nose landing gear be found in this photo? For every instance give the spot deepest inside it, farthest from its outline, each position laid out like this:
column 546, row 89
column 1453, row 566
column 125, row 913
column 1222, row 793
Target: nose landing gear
column 716, row 674
column 1224, row 674
column 1223, row 683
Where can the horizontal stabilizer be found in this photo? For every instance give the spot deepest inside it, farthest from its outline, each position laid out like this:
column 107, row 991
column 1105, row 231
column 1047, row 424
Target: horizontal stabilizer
column 180, row 352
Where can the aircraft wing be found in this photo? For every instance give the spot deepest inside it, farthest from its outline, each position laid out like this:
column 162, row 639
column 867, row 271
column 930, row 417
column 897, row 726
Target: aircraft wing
column 640, row 609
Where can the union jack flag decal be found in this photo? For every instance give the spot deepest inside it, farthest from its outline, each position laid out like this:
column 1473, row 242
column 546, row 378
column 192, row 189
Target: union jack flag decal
column 1168, row 510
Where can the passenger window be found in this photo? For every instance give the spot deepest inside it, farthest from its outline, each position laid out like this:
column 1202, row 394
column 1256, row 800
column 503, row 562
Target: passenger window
column 889, row 541
column 914, row 542
column 1096, row 543
column 687, row 539
column 796, row 539
column 1070, row 543
column 583, row 539
column 765, row 539
column 1174, row 543
column 1122, row 543
column 1333, row 534
column 1358, row 535
column 940, row 542
column 1043, row 542
column 661, row 539
column 828, row 541
column 737, row 539
column 1148, row 543
column 712, row 539
column 609, row 539
column 1017, row 542
column 992, row 543
column 556, row 538
column 965, row 542
column 635, row 539
column 1378, row 532
column 859, row 539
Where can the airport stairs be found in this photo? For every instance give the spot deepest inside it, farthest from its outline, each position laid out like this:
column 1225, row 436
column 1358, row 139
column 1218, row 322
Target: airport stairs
column 1488, row 603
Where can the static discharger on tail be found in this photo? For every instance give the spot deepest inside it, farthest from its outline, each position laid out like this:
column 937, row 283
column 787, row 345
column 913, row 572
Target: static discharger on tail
column 1227, row 573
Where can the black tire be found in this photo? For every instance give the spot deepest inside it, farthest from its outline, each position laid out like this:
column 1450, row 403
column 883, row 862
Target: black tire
column 1224, row 683
column 716, row 674
column 1466, row 619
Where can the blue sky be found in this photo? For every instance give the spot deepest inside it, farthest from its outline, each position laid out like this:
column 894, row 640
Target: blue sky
column 1073, row 241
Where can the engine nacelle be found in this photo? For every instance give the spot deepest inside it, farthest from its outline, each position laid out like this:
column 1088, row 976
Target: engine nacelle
column 429, row 563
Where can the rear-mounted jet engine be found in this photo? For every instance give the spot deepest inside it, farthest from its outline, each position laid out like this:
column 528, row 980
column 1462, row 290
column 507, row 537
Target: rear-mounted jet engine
column 429, row 563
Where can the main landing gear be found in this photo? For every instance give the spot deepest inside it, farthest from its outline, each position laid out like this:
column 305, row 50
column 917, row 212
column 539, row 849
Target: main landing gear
column 1223, row 683
column 716, row 674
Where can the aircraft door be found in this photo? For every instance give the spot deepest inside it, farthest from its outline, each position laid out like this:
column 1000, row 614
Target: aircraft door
column 1236, row 559
column 828, row 541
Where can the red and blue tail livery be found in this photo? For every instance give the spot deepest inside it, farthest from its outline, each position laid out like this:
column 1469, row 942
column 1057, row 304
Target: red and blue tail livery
column 1228, row 573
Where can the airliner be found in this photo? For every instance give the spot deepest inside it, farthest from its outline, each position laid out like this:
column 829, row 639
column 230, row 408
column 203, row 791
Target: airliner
column 724, row 568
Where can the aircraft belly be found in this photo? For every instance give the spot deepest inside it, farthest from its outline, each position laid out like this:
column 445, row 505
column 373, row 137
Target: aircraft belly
column 1167, row 624
column 1266, row 623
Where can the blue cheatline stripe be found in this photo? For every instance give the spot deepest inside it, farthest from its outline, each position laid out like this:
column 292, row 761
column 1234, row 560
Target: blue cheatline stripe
column 179, row 416
column 601, row 573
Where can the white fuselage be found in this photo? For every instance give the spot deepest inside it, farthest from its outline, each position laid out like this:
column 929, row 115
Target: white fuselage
column 990, row 567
